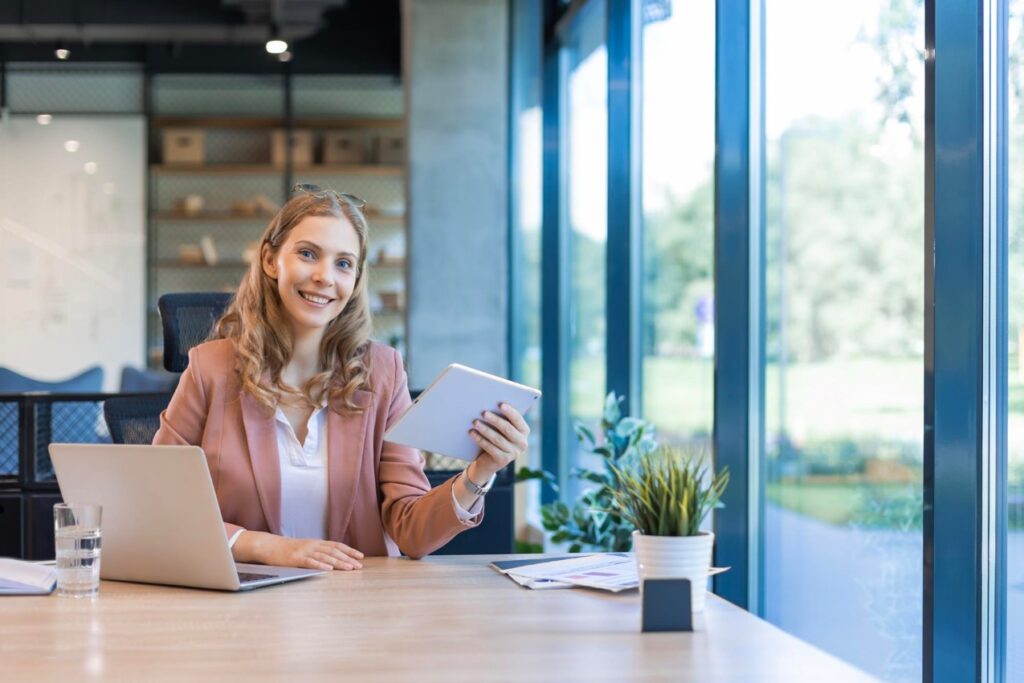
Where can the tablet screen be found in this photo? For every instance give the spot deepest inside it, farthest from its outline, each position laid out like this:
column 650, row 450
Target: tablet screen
column 440, row 419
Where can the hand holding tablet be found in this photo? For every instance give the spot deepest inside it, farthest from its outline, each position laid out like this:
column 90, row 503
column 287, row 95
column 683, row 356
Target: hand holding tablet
column 439, row 420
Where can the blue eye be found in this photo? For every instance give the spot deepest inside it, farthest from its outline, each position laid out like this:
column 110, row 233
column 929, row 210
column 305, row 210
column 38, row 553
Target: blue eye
column 307, row 253
column 345, row 264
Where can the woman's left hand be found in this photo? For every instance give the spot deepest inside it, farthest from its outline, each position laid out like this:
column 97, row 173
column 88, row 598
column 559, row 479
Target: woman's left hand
column 502, row 438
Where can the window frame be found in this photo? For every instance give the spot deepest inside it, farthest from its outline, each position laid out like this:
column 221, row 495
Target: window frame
column 965, row 253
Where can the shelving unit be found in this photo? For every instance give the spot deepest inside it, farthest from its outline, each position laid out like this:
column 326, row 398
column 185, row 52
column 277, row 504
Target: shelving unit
column 237, row 168
column 271, row 122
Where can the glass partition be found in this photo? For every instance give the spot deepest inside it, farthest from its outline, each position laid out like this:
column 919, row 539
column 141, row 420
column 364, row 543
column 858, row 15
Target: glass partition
column 587, row 208
column 678, row 152
column 844, row 86
column 525, row 302
column 72, row 248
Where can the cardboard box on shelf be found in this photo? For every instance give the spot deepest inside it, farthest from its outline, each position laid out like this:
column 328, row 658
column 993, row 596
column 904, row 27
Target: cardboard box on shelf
column 184, row 145
column 189, row 205
column 257, row 204
column 385, row 257
column 299, row 144
column 190, row 253
column 391, row 148
column 391, row 300
column 390, row 260
column 345, row 147
column 243, row 207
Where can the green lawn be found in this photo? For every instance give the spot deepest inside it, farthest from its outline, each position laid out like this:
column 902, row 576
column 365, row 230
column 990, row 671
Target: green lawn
column 860, row 504
column 866, row 397
column 876, row 403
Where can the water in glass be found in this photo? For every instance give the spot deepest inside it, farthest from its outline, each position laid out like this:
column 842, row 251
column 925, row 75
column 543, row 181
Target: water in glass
column 78, row 561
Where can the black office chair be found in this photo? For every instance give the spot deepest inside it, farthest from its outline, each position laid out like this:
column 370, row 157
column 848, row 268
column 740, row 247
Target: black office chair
column 187, row 320
column 134, row 419
column 496, row 534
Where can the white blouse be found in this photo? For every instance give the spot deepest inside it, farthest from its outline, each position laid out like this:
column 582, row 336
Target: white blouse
column 304, row 479
column 303, row 476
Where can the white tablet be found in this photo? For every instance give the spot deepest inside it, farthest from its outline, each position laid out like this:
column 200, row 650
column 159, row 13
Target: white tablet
column 439, row 420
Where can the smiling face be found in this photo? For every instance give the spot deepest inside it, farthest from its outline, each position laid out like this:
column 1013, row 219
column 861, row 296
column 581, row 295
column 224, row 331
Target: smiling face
column 315, row 270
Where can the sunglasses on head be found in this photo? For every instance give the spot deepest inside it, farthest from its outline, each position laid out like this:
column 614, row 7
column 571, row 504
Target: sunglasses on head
column 323, row 193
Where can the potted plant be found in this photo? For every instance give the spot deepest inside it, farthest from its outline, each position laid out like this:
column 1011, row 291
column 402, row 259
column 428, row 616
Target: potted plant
column 592, row 523
column 666, row 496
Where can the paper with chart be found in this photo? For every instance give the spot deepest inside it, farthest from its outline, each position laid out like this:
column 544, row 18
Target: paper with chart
column 605, row 571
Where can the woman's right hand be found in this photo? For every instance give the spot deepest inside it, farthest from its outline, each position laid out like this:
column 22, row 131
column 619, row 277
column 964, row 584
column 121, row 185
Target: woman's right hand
column 306, row 553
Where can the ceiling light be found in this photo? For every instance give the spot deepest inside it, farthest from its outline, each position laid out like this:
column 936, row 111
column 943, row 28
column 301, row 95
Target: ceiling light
column 71, row 145
column 90, row 167
column 44, row 119
column 62, row 52
column 276, row 45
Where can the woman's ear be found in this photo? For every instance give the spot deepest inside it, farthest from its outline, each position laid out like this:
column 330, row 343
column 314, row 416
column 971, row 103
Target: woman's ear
column 267, row 258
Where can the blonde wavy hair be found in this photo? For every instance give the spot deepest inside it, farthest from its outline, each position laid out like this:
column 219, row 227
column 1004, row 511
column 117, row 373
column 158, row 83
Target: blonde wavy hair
column 255, row 319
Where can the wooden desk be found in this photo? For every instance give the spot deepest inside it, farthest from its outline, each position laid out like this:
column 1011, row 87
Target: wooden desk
column 445, row 619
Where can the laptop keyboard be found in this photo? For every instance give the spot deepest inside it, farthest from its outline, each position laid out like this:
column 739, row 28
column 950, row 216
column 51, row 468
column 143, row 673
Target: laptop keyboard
column 247, row 577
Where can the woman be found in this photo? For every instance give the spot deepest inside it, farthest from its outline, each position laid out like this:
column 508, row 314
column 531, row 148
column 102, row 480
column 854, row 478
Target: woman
column 291, row 399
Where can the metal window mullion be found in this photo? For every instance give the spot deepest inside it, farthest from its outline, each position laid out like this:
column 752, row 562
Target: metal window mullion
column 554, row 263
column 965, row 337
column 623, row 250
column 737, row 297
column 518, row 13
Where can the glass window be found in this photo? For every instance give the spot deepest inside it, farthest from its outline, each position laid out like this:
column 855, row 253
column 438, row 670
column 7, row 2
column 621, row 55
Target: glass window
column 526, row 251
column 587, row 209
column 1015, row 328
column 678, row 150
column 844, row 320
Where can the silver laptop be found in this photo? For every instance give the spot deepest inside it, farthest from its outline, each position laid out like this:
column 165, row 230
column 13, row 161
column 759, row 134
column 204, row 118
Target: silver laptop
column 161, row 521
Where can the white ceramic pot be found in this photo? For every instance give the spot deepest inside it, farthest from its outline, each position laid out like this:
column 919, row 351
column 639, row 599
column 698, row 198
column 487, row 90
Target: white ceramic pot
column 676, row 557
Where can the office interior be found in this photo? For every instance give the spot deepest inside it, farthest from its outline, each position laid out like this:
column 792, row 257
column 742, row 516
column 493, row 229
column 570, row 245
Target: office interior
column 788, row 235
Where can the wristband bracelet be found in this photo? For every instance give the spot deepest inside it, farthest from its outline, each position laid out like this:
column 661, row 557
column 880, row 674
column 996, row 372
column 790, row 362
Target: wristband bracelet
column 475, row 488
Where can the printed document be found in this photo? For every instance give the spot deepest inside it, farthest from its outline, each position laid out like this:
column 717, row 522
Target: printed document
column 605, row 571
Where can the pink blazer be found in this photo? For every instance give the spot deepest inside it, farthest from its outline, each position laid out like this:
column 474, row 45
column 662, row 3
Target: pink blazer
column 378, row 495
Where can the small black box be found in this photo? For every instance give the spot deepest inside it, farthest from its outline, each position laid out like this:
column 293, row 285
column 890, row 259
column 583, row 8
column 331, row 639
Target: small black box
column 666, row 605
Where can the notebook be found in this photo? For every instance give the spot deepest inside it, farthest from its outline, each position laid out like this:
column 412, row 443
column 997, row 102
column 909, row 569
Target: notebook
column 18, row 577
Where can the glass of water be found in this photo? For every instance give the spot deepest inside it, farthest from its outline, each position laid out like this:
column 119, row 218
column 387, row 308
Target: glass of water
column 76, row 531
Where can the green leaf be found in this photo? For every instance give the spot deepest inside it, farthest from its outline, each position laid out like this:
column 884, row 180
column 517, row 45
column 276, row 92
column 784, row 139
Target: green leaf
column 668, row 493
column 587, row 475
column 527, row 547
column 584, row 435
column 630, row 427
column 612, row 413
column 527, row 474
